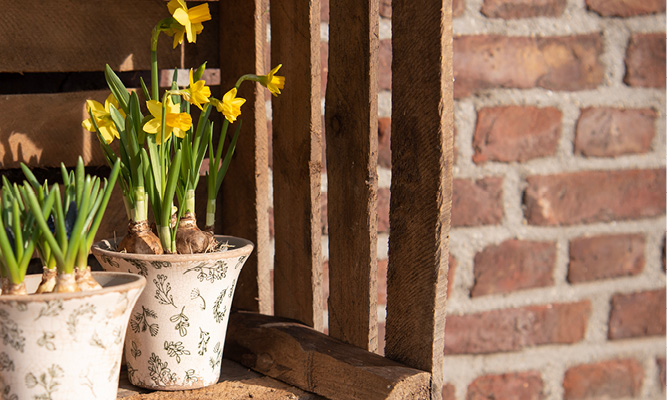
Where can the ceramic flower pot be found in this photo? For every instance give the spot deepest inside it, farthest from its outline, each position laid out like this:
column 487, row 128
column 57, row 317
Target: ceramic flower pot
column 178, row 326
column 66, row 345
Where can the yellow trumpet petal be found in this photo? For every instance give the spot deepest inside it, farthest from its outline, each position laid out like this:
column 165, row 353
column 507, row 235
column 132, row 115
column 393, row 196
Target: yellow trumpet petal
column 273, row 82
column 230, row 106
column 199, row 13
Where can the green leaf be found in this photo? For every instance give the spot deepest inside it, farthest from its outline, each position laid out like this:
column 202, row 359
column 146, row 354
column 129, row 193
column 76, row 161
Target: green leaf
column 117, row 88
column 228, row 159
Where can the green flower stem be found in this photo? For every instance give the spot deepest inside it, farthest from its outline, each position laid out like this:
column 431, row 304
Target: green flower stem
column 154, row 75
column 168, row 242
column 247, row 77
column 210, row 212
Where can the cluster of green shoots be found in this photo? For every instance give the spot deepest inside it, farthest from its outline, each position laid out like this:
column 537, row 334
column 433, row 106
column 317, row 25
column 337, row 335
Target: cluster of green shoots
column 161, row 150
column 61, row 227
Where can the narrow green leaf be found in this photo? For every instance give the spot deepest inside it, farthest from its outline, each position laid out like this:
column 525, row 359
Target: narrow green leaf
column 117, row 88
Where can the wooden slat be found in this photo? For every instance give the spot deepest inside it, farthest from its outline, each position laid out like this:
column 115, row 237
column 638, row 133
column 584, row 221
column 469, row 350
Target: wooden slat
column 72, row 35
column 243, row 201
column 45, row 130
column 312, row 361
column 421, row 148
column 297, row 161
column 351, row 133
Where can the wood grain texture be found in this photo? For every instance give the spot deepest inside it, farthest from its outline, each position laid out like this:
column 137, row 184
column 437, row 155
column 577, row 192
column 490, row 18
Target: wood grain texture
column 420, row 205
column 44, row 130
column 297, row 161
column 72, row 35
column 352, row 145
column 243, row 202
column 300, row 356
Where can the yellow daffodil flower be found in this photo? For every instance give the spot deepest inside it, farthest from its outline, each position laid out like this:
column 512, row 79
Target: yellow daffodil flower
column 102, row 115
column 272, row 82
column 190, row 19
column 230, row 106
column 176, row 122
column 197, row 93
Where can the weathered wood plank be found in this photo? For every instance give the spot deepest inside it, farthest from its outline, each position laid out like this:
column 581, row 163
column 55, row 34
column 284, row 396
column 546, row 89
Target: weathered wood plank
column 420, row 206
column 45, row 130
column 297, row 161
column 310, row 360
column 351, row 133
column 244, row 201
column 72, row 35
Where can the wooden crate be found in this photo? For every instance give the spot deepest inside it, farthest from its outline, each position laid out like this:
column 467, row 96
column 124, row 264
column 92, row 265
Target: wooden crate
column 52, row 55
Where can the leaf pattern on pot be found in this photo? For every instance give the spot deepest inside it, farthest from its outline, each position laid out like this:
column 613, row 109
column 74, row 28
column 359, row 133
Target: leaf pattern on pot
column 51, row 309
column 139, row 321
column 46, row 341
column 86, row 381
column 162, row 289
column 96, row 341
column 219, row 314
column 7, row 393
column 134, row 350
column 240, row 262
column 211, row 274
column 181, row 321
column 140, row 266
column 6, row 364
column 86, row 310
column 176, row 349
column 231, row 289
column 130, row 371
column 217, row 356
column 190, row 376
column 109, row 260
column 160, row 372
column 10, row 332
column 161, row 264
column 48, row 381
column 204, row 337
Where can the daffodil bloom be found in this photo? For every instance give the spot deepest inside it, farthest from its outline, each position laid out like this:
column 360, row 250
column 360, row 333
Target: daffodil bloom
column 230, row 106
column 272, row 82
column 190, row 19
column 198, row 92
column 102, row 115
column 176, row 122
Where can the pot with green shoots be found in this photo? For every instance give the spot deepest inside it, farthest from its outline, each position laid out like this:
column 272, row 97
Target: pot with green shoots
column 62, row 331
column 179, row 323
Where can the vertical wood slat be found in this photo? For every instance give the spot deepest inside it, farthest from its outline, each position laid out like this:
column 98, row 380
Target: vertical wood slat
column 297, row 161
column 421, row 187
column 243, row 201
column 351, row 134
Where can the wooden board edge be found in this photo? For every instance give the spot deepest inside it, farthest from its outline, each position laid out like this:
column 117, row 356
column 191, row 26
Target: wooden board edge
column 303, row 357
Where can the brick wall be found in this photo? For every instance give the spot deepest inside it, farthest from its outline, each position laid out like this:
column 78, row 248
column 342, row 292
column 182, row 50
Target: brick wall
column 557, row 267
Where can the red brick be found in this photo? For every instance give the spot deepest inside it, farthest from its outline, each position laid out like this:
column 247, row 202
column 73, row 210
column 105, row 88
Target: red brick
column 513, row 265
column 607, row 132
column 637, row 315
column 513, row 329
column 324, row 10
column 625, row 8
column 384, row 64
column 509, row 386
column 512, row 9
column 458, row 8
column 476, row 203
column 594, row 196
column 645, row 60
column 516, row 133
column 604, row 380
column 567, row 63
column 383, row 210
column 448, row 392
column 661, row 371
column 384, row 142
column 605, row 256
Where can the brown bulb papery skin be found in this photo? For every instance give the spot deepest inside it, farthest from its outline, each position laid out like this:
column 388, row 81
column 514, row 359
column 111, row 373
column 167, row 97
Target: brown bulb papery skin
column 48, row 280
column 12, row 288
column 66, row 283
column 140, row 239
column 84, row 278
column 189, row 238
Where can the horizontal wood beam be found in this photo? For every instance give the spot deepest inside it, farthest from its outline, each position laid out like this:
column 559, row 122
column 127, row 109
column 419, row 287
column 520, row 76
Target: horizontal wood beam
column 303, row 357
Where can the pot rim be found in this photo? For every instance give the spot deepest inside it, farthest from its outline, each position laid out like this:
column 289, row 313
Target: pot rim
column 245, row 248
column 133, row 281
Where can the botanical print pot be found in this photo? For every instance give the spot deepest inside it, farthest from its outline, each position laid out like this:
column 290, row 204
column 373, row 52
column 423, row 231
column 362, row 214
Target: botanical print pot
column 178, row 326
column 66, row 345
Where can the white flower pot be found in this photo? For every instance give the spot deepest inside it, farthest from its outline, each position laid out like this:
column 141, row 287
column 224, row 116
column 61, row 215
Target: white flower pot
column 65, row 345
column 178, row 326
